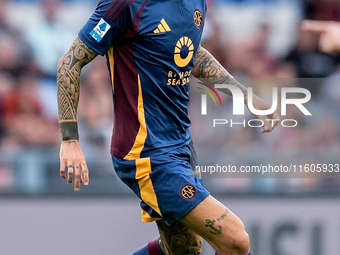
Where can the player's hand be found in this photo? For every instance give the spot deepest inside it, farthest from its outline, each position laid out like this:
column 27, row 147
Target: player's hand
column 73, row 161
column 329, row 34
column 270, row 121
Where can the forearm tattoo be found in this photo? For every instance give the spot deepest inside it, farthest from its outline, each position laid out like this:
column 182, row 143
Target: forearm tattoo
column 68, row 79
column 179, row 240
column 211, row 72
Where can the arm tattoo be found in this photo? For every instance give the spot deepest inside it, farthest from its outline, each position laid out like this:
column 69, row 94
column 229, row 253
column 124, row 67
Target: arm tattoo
column 68, row 79
column 179, row 240
column 211, row 72
column 213, row 230
column 219, row 219
column 216, row 230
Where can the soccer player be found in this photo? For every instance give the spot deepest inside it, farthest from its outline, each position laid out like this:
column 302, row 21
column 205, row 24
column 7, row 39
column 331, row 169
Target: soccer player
column 329, row 34
column 152, row 49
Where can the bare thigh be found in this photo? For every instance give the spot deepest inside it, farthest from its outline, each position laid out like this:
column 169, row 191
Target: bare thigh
column 219, row 226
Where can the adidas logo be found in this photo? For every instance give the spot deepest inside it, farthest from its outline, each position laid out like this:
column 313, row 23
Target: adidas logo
column 162, row 27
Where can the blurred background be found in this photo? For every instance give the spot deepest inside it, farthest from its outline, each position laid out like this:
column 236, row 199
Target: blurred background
column 258, row 41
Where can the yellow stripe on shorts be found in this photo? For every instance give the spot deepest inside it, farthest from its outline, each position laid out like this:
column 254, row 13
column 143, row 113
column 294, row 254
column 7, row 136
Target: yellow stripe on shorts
column 147, row 192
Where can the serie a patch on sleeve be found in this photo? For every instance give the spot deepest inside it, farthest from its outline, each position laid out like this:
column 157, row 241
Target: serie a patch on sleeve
column 100, row 30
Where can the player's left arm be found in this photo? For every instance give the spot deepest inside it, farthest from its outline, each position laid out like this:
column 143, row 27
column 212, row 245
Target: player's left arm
column 211, row 72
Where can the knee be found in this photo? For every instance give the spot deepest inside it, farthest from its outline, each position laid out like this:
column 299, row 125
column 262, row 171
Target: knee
column 242, row 244
column 239, row 244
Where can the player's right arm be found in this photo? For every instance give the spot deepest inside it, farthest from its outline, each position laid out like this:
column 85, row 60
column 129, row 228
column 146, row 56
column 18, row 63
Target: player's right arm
column 109, row 21
column 68, row 80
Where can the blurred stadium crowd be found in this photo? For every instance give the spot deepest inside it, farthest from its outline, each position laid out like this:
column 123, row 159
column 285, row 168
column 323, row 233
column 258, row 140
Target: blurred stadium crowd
column 263, row 57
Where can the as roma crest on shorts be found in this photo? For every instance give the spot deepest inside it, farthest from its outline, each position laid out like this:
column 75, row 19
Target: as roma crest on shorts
column 198, row 18
column 188, row 191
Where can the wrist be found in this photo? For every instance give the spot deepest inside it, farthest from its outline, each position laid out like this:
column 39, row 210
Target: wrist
column 69, row 131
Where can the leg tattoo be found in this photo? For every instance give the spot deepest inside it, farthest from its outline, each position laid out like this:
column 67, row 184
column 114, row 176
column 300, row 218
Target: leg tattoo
column 179, row 240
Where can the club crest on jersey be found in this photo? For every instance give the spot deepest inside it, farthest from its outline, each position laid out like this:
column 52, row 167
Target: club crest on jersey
column 100, row 30
column 188, row 191
column 198, row 18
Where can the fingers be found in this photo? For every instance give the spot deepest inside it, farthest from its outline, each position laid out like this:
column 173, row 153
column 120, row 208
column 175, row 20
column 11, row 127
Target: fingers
column 72, row 160
column 78, row 173
column 69, row 173
column 269, row 124
column 274, row 120
column 62, row 169
column 85, row 174
column 77, row 177
column 315, row 26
